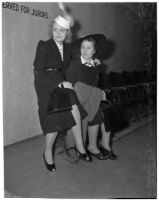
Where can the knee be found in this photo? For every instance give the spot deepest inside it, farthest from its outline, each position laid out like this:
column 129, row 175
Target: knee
column 75, row 110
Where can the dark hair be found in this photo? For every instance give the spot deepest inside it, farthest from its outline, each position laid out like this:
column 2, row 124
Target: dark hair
column 90, row 39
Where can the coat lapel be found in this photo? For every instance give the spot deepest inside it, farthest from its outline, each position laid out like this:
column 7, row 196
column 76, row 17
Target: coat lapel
column 66, row 55
column 55, row 49
column 56, row 52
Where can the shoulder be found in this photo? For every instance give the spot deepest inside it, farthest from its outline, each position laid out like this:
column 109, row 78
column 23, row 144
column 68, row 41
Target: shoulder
column 76, row 62
column 44, row 46
column 41, row 45
column 44, row 43
column 74, row 66
column 67, row 47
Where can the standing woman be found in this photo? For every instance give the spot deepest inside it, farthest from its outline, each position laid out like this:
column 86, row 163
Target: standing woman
column 52, row 58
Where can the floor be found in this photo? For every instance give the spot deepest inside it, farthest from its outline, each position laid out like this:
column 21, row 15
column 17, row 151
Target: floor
column 133, row 175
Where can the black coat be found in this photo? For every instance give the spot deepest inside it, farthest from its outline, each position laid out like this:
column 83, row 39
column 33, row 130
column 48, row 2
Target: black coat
column 79, row 72
column 88, row 75
column 48, row 57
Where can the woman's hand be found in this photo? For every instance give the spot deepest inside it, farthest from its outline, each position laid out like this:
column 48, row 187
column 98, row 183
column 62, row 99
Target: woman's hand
column 97, row 61
column 66, row 84
column 104, row 98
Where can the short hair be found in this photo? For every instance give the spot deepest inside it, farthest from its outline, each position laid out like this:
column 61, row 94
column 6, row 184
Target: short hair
column 90, row 39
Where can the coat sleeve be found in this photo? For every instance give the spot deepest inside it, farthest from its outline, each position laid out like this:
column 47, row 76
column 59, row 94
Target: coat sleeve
column 39, row 68
column 71, row 73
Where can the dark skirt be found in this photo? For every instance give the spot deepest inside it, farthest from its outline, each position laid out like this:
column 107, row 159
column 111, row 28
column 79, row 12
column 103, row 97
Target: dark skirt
column 98, row 119
column 56, row 121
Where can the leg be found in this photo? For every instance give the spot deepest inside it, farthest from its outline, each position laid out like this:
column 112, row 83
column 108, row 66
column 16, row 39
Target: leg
column 49, row 142
column 77, row 129
column 105, row 144
column 77, row 133
column 105, row 137
column 92, row 146
column 92, row 137
column 84, row 129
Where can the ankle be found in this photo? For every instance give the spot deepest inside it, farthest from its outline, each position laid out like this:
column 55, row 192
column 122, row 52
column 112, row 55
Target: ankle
column 80, row 146
column 106, row 146
column 93, row 149
column 48, row 156
column 81, row 150
column 47, row 152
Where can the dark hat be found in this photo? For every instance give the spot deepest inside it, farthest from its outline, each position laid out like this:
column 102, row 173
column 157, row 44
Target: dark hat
column 100, row 41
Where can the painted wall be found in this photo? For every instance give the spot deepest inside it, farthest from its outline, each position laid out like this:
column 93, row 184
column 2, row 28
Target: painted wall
column 21, row 32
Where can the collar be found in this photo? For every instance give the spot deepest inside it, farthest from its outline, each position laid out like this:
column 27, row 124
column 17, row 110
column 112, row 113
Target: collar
column 60, row 46
column 83, row 61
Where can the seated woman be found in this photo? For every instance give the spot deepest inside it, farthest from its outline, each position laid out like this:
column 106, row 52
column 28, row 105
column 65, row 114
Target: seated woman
column 84, row 70
column 52, row 58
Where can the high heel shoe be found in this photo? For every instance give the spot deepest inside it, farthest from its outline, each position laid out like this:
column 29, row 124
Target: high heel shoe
column 50, row 167
column 83, row 156
column 111, row 155
column 99, row 156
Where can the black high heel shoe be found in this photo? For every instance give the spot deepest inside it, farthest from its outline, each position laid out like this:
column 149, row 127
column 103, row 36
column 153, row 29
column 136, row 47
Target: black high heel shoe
column 84, row 156
column 99, row 156
column 50, row 167
column 111, row 155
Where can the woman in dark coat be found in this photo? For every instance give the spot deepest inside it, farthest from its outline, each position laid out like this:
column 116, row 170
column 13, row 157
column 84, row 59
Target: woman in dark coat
column 52, row 58
column 84, row 70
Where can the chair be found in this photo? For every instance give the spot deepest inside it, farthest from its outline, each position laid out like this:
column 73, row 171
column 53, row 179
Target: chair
column 142, row 92
column 119, row 95
column 132, row 94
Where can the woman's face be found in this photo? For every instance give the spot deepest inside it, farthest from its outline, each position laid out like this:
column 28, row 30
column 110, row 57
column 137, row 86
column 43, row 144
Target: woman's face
column 87, row 50
column 59, row 33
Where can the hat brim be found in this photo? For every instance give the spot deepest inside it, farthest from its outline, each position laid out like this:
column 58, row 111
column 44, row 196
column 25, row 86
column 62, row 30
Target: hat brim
column 101, row 42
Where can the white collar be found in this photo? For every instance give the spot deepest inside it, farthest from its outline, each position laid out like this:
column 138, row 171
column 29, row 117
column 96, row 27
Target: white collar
column 83, row 61
column 59, row 45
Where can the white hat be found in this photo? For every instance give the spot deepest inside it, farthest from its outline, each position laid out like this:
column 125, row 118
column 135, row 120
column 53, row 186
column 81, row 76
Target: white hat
column 65, row 23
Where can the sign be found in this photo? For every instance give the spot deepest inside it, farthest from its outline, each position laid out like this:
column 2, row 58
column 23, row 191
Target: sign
column 24, row 9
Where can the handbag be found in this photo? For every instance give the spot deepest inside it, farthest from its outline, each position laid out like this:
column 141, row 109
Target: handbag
column 114, row 116
column 59, row 101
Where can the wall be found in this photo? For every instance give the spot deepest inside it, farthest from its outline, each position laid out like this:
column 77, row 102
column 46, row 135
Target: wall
column 128, row 39
column 112, row 19
column 22, row 31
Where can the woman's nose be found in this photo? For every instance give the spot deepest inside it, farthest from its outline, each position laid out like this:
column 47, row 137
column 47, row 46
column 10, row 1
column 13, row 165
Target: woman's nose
column 58, row 32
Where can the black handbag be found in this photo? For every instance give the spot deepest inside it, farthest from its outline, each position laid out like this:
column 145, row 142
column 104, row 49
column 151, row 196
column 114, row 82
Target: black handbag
column 114, row 116
column 59, row 101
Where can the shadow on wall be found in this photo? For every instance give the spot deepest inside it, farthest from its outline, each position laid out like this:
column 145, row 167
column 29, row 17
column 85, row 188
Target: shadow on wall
column 110, row 49
column 75, row 30
column 76, row 27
